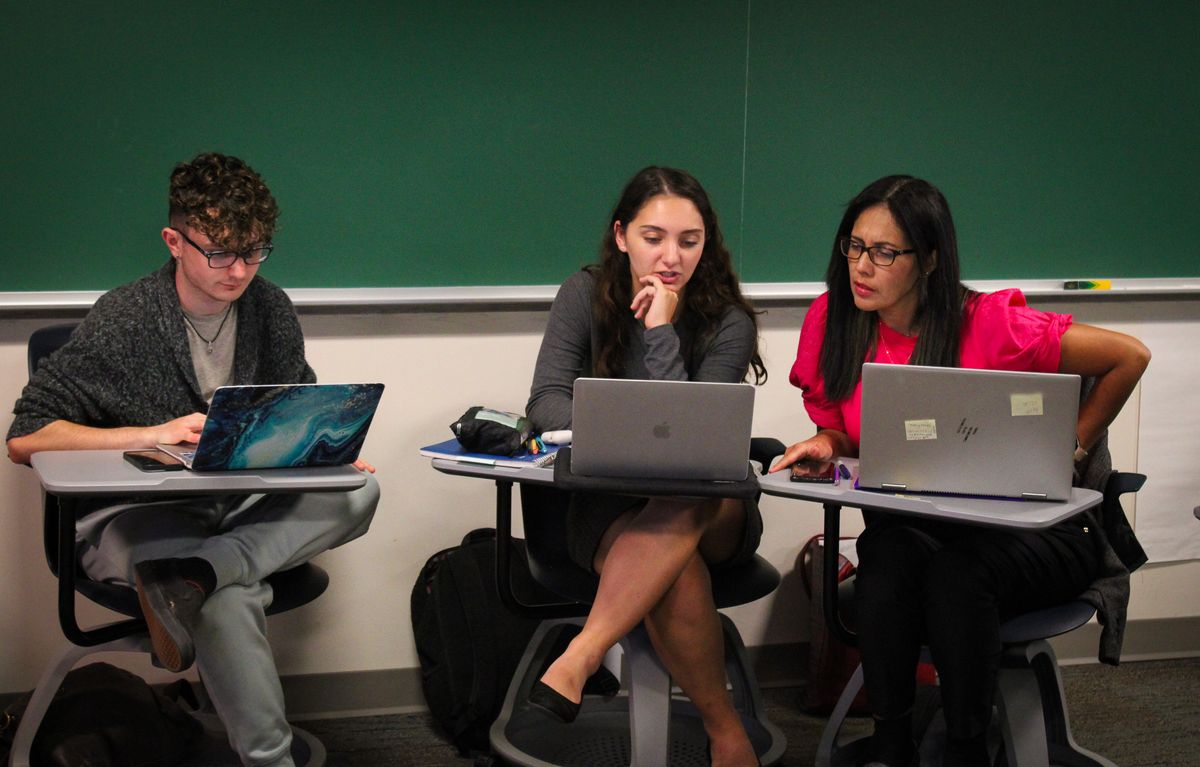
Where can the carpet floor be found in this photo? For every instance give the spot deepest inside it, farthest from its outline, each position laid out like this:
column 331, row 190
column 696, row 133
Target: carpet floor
column 1141, row 714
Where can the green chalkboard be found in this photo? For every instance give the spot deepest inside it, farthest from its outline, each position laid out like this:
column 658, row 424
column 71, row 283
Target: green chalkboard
column 409, row 143
column 1064, row 134
column 466, row 143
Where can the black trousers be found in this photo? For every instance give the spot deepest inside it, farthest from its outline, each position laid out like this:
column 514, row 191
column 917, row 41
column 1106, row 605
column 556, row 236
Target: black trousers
column 950, row 586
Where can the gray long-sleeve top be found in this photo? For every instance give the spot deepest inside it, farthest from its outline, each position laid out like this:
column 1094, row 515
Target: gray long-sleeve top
column 655, row 354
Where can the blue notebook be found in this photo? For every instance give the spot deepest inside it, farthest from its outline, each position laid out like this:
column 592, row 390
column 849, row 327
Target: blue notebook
column 452, row 450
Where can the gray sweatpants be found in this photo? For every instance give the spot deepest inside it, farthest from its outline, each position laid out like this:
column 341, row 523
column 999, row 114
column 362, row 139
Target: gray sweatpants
column 245, row 538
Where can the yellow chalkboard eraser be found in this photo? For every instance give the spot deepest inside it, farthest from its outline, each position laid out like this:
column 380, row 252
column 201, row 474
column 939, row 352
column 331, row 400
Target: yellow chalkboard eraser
column 1087, row 285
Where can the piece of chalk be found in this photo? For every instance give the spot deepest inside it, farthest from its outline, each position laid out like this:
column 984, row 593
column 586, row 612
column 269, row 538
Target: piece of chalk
column 1087, row 285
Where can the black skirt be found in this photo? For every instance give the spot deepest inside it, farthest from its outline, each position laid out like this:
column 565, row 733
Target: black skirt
column 590, row 515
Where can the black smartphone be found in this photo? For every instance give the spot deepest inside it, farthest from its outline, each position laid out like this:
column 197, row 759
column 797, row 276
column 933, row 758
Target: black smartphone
column 814, row 471
column 153, row 460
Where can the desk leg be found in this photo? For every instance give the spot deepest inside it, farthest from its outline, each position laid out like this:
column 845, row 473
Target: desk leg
column 829, row 576
column 65, row 546
column 504, row 554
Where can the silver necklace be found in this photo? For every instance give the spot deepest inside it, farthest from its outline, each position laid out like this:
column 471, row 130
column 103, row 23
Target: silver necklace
column 213, row 340
column 884, row 343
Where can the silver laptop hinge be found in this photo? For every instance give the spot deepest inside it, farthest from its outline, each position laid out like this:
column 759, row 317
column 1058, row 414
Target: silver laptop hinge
column 893, row 486
column 1034, row 496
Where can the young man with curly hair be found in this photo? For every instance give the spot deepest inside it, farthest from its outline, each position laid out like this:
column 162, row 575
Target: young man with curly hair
column 140, row 370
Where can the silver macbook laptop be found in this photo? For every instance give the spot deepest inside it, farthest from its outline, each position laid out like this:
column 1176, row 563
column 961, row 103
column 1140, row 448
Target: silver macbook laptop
column 271, row 427
column 968, row 432
column 661, row 429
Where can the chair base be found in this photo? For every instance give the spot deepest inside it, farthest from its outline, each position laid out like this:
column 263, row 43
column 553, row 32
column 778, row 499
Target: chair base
column 214, row 751
column 1033, row 710
column 644, row 726
column 1030, row 727
column 47, row 687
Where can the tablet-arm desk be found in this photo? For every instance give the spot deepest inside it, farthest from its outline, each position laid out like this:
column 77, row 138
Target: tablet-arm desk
column 1035, row 729
column 1019, row 515
column 71, row 475
column 647, row 719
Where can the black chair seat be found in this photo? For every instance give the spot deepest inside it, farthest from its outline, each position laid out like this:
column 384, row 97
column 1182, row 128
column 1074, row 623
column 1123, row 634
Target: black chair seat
column 292, row 588
column 1026, row 627
column 1046, row 623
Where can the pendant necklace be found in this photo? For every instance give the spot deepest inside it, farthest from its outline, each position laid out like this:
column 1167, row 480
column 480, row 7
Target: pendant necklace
column 887, row 351
column 213, row 340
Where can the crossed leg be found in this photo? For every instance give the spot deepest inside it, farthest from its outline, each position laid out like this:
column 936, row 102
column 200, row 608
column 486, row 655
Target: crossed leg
column 652, row 566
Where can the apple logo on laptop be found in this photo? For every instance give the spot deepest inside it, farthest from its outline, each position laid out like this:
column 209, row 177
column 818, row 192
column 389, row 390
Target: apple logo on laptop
column 662, row 431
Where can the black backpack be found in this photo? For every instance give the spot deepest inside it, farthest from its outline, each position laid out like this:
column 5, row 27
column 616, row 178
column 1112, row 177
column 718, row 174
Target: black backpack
column 468, row 643
column 104, row 716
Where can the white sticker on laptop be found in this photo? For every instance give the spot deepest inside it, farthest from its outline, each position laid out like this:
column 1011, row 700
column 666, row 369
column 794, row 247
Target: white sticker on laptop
column 1026, row 404
column 925, row 428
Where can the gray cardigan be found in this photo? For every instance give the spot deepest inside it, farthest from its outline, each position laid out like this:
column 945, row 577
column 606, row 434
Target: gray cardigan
column 656, row 354
column 128, row 363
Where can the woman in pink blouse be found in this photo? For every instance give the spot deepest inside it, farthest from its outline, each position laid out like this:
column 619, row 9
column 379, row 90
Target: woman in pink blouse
column 894, row 297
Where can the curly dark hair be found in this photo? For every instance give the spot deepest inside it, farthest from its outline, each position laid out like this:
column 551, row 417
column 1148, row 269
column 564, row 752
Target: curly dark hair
column 712, row 289
column 224, row 198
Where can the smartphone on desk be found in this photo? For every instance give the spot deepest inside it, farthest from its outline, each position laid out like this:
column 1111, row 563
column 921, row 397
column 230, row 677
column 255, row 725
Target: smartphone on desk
column 153, row 460
column 814, row 471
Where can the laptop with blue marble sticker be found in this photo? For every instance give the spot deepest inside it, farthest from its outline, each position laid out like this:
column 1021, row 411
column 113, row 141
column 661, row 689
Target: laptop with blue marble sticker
column 287, row 426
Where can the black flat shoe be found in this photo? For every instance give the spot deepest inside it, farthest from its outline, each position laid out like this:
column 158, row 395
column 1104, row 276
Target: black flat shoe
column 544, row 696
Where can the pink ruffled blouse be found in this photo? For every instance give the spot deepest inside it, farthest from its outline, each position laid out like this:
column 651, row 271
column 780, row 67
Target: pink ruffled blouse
column 999, row 333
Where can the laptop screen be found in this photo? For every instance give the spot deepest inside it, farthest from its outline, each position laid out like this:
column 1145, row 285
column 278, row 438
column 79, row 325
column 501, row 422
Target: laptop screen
column 661, row 429
column 970, row 432
column 266, row 427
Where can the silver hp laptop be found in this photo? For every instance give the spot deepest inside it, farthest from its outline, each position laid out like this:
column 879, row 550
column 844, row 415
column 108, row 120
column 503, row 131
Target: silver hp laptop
column 271, row 427
column 661, row 429
column 968, row 432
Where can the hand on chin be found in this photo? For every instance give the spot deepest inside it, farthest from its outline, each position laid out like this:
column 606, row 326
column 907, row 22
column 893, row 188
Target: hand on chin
column 656, row 303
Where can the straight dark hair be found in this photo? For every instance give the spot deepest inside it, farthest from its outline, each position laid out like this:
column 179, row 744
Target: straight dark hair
column 851, row 334
column 711, row 291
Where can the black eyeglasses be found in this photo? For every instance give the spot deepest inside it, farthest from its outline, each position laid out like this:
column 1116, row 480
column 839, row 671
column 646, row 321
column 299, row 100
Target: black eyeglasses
column 223, row 259
column 880, row 255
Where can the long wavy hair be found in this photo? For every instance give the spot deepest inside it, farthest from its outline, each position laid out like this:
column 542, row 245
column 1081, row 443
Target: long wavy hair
column 711, row 291
column 851, row 334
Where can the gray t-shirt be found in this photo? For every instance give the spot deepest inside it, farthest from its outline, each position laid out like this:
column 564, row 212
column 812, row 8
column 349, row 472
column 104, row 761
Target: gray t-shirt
column 654, row 354
column 212, row 340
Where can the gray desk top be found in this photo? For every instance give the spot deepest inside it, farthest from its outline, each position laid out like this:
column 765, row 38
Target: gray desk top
column 1026, row 515
column 532, row 474
column 106, row 472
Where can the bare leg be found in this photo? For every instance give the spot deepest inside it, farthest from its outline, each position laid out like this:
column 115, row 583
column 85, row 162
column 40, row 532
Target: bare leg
column 686, row 632
column 651, row 568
